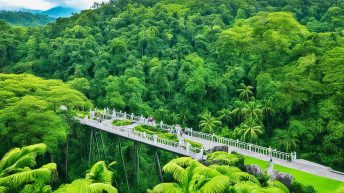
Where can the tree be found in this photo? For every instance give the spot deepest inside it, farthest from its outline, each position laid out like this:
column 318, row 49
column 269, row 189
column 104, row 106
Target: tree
column 190, row 176
column 98, row 180
column 225, row 116
column 286, row 140
column 18, row 172
column 252, row 111
column 209, row 123
column 250, row 131
column 245, row 92
column 267, row 111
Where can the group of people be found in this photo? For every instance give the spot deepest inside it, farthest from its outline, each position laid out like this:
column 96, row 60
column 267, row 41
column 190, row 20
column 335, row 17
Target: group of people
column 151, row 119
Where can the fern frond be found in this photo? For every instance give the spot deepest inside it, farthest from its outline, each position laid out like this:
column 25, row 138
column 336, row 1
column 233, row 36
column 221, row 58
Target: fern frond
column 101, row 187
column 175, row 170
column 167, row 188
column 217, row 184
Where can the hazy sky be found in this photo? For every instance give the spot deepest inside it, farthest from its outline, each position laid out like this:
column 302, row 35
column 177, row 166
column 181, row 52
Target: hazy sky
column 45, row 4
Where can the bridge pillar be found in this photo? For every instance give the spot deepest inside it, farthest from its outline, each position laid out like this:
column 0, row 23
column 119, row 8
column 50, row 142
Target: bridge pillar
column 113, row 114
column 187, row 148
column 132, row 116
column 155, row 138
column 125, row 115
column 229, row 149
column 161, row 124
column 237, row 143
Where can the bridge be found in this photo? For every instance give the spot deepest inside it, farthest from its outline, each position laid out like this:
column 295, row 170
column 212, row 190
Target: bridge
column 208, row 142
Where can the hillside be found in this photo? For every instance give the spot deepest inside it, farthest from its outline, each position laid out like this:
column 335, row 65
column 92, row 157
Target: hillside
column 265, row 72
column 171, row 58
column 21, row 18
column 60, row 11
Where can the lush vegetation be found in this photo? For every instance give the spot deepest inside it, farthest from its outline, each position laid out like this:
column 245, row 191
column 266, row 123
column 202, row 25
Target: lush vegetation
column 269, row 72
column 321, row 184
column 18, row 173
column 156, row 131
column 25, row 19
column 189, row 175
column 122, row 122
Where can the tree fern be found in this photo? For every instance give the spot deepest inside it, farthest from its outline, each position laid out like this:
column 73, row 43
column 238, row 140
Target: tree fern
column 17, row 175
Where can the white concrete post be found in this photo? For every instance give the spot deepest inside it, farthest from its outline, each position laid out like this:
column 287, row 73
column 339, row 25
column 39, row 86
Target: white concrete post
column 187, row 148
column 141, row 119
column 212, row 137
column 144, row 135
column 229, row 149
column 125, row 115
column 155, row 138
column 132, row 116
column 237, row 143
column 161, row 124
column 113, row 114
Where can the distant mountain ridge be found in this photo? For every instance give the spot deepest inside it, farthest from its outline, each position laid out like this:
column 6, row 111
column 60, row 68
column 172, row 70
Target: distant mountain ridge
column 21, row 18
column 60, row 11
column 55, row 12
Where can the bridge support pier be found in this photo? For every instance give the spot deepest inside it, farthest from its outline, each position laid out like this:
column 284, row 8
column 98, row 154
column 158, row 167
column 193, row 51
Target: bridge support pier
column 158, row 163
column 136, row 146
column 89, row 154
column 122, row 159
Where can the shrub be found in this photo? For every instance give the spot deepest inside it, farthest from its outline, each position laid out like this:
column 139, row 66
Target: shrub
column 194, row 144
column 122, row 122
column 296, row 187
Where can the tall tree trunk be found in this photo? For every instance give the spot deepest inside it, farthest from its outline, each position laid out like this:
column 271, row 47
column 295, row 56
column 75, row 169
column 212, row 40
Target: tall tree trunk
column 67, row 154
column 158, row 163
column 91, row 140
column 122, row 159
column 137, row 163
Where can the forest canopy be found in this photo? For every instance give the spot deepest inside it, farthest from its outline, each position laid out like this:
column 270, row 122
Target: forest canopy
column 30, row 111
column 271, row 68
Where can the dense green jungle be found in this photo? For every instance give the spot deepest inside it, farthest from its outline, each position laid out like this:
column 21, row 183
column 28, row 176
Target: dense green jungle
column 269, row 72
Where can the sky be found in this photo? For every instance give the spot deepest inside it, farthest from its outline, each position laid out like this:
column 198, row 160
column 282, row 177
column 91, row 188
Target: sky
column 45, row 4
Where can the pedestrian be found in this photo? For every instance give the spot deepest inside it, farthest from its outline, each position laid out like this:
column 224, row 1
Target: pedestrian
column 270, row 162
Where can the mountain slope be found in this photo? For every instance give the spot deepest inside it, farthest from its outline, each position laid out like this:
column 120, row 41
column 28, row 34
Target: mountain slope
column 24, row 18
column 60, row 12
column 261, row 65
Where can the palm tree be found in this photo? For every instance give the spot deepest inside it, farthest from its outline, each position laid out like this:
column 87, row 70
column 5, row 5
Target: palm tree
column 225, row 115
column 16, row 173
column 252, row 111
column 250, row 130
column 209, row 123
column 267, row 111
column 98, row 180
column 245, row 92
column 286, row 140
column 190, row 176
column 238, row 110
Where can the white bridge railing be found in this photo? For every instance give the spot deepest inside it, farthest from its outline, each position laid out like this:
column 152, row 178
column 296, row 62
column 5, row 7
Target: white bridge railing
column 206, row 136
column 153, row 140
